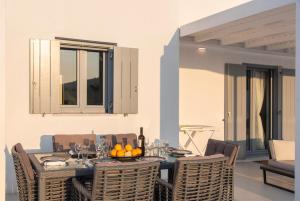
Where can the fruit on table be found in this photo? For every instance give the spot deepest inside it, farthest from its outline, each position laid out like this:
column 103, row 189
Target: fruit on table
column 139, row 151
column 121, row 153
column 128, row 147
column 128, row 154
column 118, row 151
column 113, row 153
column 118, row 147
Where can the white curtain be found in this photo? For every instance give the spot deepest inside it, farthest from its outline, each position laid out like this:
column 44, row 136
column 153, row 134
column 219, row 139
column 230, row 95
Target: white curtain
column 258, row 92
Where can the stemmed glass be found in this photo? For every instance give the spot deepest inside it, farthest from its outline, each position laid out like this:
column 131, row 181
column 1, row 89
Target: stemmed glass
column 164, row 146
column 101, row 148
column 78, row 150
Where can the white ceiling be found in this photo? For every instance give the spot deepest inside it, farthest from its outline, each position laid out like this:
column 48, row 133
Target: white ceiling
column 270, row 31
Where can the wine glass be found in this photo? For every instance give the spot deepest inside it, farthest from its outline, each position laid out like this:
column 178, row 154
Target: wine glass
column 101, row 148
column 78, row 150
column 164, row 146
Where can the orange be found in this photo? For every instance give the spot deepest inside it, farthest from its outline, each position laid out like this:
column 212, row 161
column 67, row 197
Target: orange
column 128, row 154
column 134, row 152
column 128, row 147
column 121, row 153
column 118, row 147
column 113, row 153
column 139, row 151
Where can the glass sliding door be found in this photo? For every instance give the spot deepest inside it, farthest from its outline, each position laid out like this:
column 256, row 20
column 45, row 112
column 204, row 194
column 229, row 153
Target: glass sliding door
column 259, row 109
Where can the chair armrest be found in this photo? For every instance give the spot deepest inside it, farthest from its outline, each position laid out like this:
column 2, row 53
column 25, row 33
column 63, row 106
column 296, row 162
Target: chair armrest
column 81, row 189
column 164, row 183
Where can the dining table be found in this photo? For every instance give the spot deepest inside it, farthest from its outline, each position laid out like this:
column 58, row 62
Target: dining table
column 55, row 181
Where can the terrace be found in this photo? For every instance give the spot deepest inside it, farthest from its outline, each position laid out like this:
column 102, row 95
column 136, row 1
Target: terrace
column 248, row 186
column 188, row 75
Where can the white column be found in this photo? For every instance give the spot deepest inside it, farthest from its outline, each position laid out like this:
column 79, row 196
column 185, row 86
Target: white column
column 2, row 99
column 297, row 163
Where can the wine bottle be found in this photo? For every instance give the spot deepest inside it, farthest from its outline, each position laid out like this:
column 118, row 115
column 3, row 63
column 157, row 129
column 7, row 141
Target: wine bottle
column 141, row 141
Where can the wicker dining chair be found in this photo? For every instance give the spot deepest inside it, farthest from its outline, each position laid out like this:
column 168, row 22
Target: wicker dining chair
column 130, row 181
column 195, row 179
column 26, row 177
column 230, row 150
column 62, row 143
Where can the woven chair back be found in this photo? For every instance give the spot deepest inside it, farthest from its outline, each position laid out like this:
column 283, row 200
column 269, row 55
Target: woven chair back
column 125, row 182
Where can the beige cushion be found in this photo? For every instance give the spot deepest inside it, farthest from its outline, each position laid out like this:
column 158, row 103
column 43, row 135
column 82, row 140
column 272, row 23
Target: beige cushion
column 282, row 150
column 220, row 147
column 284, row 165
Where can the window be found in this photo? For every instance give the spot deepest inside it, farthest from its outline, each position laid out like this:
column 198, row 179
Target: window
column 69, row 77
column 95, row 78
column 74, row 76
column 82, row 80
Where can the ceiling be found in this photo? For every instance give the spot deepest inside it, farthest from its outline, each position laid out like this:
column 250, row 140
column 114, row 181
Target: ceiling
column 270, row 31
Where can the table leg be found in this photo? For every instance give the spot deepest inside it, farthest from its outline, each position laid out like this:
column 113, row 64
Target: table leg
column 42, row 186
column 200, row 152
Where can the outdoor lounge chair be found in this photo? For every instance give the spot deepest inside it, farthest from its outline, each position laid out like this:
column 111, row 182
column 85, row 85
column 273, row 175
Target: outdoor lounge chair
column 195, row 178
column 26, row 177
column 132, row 181
column 282, row 162
column 63, row 143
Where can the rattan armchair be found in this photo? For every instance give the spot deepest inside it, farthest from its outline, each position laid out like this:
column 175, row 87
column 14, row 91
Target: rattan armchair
column 231, row 151
column 119, row 182
column 26, row 177
column 195, row 179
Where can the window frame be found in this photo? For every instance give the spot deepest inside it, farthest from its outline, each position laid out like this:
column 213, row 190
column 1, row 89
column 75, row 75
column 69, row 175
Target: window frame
column 82, row 49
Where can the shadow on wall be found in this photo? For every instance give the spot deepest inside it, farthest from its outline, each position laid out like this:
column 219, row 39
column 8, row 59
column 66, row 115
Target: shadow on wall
column 169, row 91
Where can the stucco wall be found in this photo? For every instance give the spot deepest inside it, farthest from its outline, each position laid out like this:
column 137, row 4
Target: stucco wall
column 2, row 98
column 297, row 165
column 147, row 25
column 193, row 10
column 201, row 85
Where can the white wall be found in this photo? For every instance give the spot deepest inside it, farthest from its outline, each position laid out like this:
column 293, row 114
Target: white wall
column 297, row 165
column 201, row 88
column 193, row 10
column 2, row 98
column 147, row 25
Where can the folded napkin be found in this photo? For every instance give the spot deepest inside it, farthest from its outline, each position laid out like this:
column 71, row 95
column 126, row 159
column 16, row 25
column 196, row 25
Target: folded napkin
column 54, row 163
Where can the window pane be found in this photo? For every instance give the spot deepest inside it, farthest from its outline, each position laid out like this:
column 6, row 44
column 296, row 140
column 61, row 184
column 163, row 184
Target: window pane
column 68, row 72
column 94, row 78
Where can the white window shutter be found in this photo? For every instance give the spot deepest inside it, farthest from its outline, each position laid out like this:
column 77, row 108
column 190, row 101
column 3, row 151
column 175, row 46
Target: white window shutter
column 134, row 81
column 125, row 99
column 55, row 76
column 40, row 76
column 35, row 76
column 117, row 91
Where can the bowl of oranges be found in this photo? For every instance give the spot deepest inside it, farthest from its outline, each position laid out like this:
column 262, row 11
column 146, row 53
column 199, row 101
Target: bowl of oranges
column 127, row 153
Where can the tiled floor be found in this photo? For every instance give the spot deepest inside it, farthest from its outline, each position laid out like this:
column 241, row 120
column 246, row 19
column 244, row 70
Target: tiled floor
column 248, row 186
